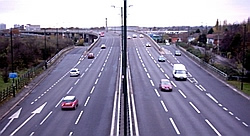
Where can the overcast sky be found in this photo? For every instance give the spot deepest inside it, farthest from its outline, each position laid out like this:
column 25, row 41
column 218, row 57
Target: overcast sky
column 149, row 13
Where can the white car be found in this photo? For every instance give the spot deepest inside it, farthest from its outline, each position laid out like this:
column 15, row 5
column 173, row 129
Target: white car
column 129, row 37
column 141, row 35
column 74, row 72
column 134, row 36
column 148, row 45
column 103, row 46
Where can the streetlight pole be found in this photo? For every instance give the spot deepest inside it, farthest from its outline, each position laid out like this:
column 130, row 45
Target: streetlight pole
column 45, row 50
column 124, row 67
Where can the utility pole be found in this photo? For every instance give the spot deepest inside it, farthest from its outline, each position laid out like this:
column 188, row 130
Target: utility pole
column 45, row 50
column 124, row 68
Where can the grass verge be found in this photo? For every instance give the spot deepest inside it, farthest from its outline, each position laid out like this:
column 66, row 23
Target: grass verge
column 237, row 84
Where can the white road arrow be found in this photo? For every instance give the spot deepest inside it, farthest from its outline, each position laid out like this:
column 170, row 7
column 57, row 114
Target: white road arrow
column 38, row 110
column 12, row 117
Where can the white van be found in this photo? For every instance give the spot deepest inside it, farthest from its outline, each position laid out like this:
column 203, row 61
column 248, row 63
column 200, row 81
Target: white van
column 179, row 72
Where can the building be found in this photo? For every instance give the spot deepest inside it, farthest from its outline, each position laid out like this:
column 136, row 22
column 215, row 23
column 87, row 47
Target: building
column 30, row 27
column 2, row 26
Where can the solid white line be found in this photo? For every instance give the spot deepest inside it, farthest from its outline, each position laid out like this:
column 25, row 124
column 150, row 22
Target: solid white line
column 202, row 88
column 78, row 118
column 196, row 109
column 46, row 118
column 215, row 130
column 211, row 97
column 135, row 117
column 92, row 89
column 164, row 106
column 182, row 94
column 30, row 117
column 175, row 127
column 85, row 104
column 157, row 93
column 152, row 83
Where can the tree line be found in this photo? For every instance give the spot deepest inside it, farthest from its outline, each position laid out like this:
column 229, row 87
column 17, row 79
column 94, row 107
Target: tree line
column 28, row 51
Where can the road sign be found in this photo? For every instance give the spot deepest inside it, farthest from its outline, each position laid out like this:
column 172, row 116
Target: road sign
column 12, row 75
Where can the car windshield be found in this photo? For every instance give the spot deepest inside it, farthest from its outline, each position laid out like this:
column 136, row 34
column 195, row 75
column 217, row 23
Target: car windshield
column 180, row 72
column 165, row 82
column 67, row 101
column 73, row 70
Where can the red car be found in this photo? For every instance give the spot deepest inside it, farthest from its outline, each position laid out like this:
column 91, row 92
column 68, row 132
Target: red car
column 91, row 56
column 165, row 85
column 69, row 102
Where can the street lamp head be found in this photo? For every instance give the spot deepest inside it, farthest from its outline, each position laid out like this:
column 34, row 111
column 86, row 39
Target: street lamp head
column 113, row 6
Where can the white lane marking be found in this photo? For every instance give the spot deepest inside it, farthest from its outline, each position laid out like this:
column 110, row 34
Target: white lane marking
column 224, row 108
column 158, row 65
column 102, row 69
column 46, row 117
column 85, row 104
column 211, row 125
column 32, row 133
column 162, row 70
column 96, row 81
column 220, row 105
column 164, row 106
column 92, row 89
column 198, row 87
column 157, row 93
column 90, row 64
column 86, row 69
column 143, row 65
column 195, row 108
column 145, row 69
column 71, row 134
column 230, row 113
column 152, row 83
column 245, row 124
column 104, row 64
column 182, row 94
column 69, row 90
column 82, row 75
column 148, row 75
column 77, row 81
column 211, row 97
column 59, row 103
column 175, row 127
column 173, row 83
column 78, row 118
column 166, row 76
column 100, row 74
column 202, row 88
column 237, row 118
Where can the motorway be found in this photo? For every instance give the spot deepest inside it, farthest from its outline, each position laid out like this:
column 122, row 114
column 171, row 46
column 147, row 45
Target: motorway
column 202, row 105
